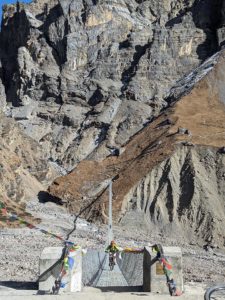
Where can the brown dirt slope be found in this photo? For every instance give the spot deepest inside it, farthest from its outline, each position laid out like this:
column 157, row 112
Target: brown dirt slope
column 202, row 112
column 22, row 167
column 88, row 181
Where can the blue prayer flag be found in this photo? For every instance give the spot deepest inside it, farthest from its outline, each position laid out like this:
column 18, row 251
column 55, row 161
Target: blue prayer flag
column 70, row 262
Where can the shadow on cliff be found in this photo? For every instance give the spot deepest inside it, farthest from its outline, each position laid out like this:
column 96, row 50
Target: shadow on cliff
column 14, row 34
column 59, row 46
column 44, row 197
column 206, row 15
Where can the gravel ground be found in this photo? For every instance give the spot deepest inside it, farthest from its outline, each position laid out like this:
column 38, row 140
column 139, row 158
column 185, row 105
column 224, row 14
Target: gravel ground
column 21, row 248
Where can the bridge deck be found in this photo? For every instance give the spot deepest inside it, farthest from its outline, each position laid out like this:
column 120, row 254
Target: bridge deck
column 111, row 278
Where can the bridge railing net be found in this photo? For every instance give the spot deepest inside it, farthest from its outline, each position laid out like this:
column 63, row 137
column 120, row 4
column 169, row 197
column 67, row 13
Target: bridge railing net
column 131, row 266
column 95, row 262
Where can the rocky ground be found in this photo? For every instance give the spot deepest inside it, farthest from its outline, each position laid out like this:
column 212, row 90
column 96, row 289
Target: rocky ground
column 21, row 247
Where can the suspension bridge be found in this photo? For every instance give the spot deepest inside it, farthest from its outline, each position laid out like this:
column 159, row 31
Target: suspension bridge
column 96, row 271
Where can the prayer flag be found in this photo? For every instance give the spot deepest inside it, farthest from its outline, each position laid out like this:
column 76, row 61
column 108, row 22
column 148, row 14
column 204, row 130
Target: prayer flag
column 70, row 262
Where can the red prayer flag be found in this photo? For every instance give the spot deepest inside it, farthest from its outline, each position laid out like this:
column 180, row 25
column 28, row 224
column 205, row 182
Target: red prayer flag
column 167, row 265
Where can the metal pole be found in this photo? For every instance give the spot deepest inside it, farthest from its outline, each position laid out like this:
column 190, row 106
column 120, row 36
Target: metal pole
column 110, row 232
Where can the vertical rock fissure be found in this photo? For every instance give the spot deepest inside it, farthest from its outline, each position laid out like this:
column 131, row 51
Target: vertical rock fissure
column 130, row 72
column 169, row 201
column 187, row 186
column 162, row 182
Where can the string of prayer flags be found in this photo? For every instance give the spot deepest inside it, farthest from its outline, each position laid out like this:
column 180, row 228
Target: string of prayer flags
column 12, row 217
column 133, row 250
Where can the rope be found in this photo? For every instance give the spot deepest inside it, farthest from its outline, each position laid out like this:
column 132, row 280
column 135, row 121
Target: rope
column 14, row 217
column 82, row 210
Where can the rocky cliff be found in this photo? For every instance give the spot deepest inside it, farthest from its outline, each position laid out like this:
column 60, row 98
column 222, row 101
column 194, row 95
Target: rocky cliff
column 85, row 75
column 22, row 167
column 96, row 85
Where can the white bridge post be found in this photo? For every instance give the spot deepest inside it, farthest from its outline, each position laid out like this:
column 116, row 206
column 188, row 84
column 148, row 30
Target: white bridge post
column 110, row 230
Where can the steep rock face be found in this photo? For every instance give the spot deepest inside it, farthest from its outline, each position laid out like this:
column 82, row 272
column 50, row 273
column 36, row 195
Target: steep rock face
column 84, row 74
column 172, row 185
column 22, row 165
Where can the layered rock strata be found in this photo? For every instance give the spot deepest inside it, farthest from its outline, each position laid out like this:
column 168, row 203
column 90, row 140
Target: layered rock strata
column 96, row 84
column 87, row 75
column 22, row 167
